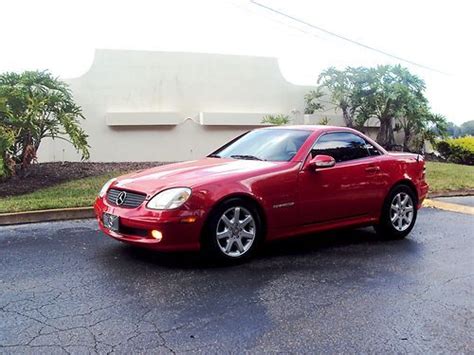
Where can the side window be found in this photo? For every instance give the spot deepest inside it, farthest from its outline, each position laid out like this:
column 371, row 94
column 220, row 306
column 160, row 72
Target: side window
column 341, row 146
column 372, row 150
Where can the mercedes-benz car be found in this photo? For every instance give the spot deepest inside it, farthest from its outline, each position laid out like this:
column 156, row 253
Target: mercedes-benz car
column 267, row 184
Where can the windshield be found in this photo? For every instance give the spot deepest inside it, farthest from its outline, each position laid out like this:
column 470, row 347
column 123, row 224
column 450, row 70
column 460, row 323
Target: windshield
column 265, row 144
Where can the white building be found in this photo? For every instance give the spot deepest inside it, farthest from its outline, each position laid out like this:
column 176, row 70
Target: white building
column 163, row 106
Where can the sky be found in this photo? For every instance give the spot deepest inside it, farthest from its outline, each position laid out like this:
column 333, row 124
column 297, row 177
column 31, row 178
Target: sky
column 61, row 36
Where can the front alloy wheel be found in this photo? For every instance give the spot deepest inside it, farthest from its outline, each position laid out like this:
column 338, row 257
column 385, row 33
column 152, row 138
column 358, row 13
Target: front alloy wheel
column 235, row 232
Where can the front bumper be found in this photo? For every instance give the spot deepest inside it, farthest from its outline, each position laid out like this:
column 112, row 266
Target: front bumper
column 180, row 228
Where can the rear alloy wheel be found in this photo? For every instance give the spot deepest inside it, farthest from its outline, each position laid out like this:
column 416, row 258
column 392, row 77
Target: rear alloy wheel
column 233, row 230
column 398, row 214
column 401, row 211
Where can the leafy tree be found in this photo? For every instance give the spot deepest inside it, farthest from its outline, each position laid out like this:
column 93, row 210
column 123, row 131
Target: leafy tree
column 420, row 126
column 467, row 128
column 34, row 105
column 344, row 87
column 417, row 122
column 7, row 139
column 388, row 93
column 453, row 130
column 277, row 120
column 413, row 120
column 312, row 101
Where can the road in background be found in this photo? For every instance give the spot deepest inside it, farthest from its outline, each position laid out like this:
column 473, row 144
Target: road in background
column 460, row 200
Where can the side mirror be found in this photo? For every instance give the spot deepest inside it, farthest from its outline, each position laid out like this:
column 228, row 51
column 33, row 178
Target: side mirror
column 321, row 162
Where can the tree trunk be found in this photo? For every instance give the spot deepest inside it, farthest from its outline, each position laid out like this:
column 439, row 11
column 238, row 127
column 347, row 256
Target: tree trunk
column 348, row 120
column 406, row 140
column 385, row 135
column 28, row 153
column 391, row 136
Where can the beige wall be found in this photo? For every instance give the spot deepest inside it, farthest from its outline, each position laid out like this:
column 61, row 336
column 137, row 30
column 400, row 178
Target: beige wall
column 172, row 106
column 162, row 106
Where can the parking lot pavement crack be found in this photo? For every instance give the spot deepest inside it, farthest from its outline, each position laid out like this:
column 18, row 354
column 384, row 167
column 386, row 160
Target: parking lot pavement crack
column 88, row 313
column 29, row 317
column 427, row 288
column 457, row 278
column 63, row 348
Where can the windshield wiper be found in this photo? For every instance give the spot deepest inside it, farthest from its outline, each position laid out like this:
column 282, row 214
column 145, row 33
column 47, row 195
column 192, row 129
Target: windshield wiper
column 214, row 155
column 245, row 156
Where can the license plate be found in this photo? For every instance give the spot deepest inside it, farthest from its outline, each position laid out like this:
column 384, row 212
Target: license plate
column 110, row 221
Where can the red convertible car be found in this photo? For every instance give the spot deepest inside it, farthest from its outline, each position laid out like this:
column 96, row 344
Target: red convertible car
column 266, row 184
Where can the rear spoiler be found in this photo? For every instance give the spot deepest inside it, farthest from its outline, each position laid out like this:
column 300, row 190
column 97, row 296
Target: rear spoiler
column 420, row 157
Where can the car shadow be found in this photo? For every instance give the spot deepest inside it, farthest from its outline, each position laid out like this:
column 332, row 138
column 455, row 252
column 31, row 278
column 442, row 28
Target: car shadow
column 320, row 244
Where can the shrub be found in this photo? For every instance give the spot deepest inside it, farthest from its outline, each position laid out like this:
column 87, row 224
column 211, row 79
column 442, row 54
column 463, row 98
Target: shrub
column 324, row 121
column 7, row 140
column 457, row 150
column 277, row 120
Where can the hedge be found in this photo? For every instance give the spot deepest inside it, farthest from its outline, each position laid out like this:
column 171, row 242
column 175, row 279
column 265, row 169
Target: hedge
column 457, row 150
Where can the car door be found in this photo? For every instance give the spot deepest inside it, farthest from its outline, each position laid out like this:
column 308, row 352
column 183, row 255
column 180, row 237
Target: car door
column 349, row 189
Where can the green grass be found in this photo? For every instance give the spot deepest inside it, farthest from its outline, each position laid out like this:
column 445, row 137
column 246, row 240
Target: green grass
column 82, row 192
column 76, row 193
column 449, row 177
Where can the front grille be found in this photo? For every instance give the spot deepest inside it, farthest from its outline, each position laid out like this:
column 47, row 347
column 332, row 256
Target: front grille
column 131, row 200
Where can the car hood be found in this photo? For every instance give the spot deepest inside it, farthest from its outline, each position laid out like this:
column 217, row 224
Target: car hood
column 191, row 174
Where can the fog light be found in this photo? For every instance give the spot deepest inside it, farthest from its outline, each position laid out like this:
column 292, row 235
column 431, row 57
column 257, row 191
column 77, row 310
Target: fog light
column 157, row 235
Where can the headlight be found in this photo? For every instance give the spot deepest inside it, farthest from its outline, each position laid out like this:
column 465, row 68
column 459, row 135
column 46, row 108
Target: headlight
column 170, row 199
column 106, row 186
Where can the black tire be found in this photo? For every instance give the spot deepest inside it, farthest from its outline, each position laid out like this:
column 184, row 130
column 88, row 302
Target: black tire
column 209, row 240
column 386, row 228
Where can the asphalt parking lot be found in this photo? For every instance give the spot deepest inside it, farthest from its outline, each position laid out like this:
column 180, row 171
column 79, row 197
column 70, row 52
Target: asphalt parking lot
column 65, row 287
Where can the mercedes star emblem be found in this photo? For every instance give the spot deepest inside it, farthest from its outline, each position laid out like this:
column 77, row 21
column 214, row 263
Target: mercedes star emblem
column 121, row 198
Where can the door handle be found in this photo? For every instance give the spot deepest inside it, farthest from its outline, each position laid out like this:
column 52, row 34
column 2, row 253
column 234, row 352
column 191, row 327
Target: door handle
column 372, row 169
